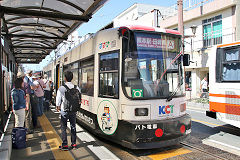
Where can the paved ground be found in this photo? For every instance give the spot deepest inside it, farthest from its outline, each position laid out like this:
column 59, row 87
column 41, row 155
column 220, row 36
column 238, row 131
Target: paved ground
column 44, row 142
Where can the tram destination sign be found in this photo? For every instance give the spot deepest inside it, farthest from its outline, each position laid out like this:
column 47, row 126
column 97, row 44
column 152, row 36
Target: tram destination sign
column 157, row 43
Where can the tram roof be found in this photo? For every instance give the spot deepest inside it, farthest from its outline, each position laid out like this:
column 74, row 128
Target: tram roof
column 36, row 27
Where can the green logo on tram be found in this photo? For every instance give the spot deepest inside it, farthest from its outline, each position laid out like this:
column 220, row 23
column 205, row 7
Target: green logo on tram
column 137, row 93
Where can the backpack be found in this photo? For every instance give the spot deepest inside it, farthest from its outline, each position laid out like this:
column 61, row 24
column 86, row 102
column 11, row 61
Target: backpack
column 72, row 99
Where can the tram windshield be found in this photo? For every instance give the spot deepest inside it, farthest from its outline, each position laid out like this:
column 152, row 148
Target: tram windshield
column 152, row 68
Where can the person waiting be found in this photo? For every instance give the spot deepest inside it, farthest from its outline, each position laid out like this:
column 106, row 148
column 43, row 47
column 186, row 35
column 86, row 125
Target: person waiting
column 19, row 102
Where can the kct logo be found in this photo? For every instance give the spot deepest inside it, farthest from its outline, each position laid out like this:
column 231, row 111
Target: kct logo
column 166, row 109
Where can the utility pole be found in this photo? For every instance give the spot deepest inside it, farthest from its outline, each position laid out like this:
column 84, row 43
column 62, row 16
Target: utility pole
column 237, row 2
column 155, row 22
column 180, row 20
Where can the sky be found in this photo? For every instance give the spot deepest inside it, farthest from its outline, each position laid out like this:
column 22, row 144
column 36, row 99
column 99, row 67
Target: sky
column 104, row 16
column 112, row 9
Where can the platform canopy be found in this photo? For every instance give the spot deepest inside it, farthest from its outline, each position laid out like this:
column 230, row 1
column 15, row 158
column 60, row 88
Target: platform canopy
column 36, row 27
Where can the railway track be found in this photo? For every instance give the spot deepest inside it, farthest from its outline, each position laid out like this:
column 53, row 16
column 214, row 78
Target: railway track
column 204, row 151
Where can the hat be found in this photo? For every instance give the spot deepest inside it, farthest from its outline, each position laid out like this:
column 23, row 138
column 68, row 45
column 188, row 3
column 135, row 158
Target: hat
column 35, row 76
column 45, row 76
column 29, row 71
column 50, row 79
column 20, row 74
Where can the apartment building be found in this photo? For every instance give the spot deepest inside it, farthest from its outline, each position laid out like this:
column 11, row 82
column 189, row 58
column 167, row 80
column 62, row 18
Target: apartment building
column 217, row 22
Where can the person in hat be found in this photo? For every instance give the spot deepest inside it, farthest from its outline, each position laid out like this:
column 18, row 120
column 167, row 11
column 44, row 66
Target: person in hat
column 22, row 76
column 47, row 92
column 39, row 92
column 31, row 115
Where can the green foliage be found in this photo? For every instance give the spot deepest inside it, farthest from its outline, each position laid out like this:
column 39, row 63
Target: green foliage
column 201, row 100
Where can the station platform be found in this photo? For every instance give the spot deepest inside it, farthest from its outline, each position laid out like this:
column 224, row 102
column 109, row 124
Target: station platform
column 45, row 141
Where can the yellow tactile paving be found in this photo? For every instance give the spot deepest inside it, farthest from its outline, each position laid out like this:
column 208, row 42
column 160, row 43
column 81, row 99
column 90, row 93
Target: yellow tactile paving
column 170, row 153
column 53, row 139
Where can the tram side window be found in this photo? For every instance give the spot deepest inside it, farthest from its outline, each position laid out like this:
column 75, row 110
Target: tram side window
column 74, row 69
column 230, row 64
column 108, row 75
column 86, row 77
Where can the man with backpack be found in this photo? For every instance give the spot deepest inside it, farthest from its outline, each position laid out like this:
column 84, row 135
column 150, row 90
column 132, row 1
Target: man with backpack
column 68, row 102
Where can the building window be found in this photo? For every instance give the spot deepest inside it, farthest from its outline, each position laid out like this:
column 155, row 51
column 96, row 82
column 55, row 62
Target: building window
column 74, row 69
column 108, row 75
column 212, row 31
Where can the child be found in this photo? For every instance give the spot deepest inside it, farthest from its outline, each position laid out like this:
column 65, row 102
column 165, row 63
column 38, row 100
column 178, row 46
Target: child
column 19, row 102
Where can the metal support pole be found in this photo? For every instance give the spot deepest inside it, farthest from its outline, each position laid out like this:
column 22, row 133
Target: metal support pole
column 1, row 76
column 192, row 48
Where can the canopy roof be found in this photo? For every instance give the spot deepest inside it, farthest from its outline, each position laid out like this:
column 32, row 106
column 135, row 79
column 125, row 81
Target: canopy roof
column 35, row 27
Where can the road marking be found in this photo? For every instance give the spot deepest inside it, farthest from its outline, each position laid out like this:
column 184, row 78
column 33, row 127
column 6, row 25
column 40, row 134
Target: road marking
column 195, row 120
column 195, row 108
column 100, row 151
column 191, row 110
column 170, row 153
column 53, row 139
column 207, row 123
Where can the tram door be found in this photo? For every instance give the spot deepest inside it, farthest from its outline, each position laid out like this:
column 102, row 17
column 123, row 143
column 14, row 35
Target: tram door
column 108, row 101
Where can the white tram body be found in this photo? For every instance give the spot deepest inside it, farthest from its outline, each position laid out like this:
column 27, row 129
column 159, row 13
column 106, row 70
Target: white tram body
column 224, row 86
column 126, row 75
column 6, row 79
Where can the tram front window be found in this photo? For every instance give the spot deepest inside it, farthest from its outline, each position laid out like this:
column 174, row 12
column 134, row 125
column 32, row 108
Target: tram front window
column 150, row 70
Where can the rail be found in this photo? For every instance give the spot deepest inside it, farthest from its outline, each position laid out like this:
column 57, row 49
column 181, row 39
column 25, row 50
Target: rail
column 201, row 150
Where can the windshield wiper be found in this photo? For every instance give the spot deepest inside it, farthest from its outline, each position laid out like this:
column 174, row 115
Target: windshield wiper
column 169, row 98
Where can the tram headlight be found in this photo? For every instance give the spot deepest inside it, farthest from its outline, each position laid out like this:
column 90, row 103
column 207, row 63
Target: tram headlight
column 141, row 111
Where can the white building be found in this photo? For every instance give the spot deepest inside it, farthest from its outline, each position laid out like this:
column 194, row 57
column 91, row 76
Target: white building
column 217, row 21
column 133, row 15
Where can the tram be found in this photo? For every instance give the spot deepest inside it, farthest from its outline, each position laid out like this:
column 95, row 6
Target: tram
column 6, row 79
column 132, row 85
column 8, row 69
column 224, row 83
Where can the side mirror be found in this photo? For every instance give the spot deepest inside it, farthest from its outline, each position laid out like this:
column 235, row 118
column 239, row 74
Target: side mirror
column 186, row 60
